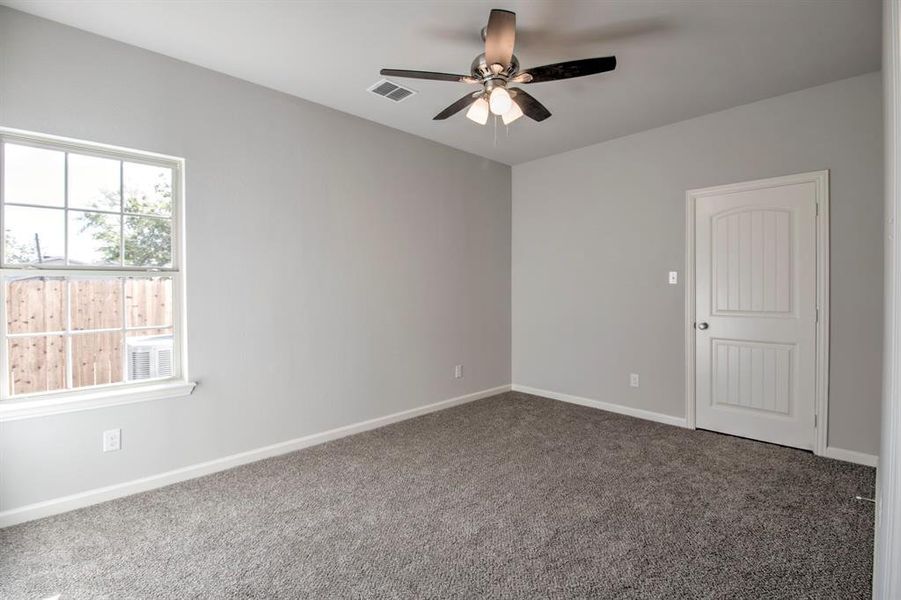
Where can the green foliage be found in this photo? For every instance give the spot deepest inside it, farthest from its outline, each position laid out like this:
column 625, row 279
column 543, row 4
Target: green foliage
column 147, row 240
column 17, row 251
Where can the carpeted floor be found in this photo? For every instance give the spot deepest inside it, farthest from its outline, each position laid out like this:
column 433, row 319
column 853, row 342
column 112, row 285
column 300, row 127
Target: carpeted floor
column 509, row 497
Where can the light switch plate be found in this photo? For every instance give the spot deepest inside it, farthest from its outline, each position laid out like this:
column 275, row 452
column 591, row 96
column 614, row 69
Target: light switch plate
column 673, row 277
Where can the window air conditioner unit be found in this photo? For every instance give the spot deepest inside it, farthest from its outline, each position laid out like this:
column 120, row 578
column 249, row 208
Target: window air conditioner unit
column 149, row 357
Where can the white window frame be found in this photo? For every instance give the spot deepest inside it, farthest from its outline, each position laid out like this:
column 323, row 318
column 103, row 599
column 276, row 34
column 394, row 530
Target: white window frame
column 46, row 403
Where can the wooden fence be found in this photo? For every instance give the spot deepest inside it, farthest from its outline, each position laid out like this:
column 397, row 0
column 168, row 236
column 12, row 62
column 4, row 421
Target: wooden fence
column 38, row 305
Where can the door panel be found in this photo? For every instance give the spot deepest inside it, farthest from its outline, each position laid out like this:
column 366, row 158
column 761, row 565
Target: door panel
column 753, row 376
column 755, row 260
column 751, row 267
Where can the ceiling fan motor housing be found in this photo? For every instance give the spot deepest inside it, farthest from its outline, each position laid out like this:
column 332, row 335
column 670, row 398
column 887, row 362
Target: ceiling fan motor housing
column 481, row 70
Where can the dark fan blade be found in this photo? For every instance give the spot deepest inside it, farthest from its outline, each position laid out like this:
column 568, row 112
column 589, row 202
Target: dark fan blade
column 500, row 35
column 567, row 70
column 428, row 75
column 456, row 107
column 530, row 107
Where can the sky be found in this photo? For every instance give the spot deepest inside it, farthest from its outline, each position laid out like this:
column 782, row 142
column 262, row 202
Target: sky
column 38, row 176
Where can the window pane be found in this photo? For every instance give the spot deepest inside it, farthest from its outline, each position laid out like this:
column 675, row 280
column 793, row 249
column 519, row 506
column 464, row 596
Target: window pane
column 96, row 303
column 93, row 182
column 96, row 358
column 149, row 354
column 33, row 175
column 35, row 304
column 148, row 242
column 37, row 364
column 148, row 189
column 93, row 238
column 148, row 301
column 34, row 235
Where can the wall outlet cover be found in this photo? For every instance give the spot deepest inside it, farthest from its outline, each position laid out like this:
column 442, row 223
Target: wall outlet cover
column 633, row 379
column 112, row 440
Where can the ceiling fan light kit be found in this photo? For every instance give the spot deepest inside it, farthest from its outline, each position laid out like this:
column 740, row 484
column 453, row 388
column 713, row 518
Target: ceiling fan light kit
column 496, row 68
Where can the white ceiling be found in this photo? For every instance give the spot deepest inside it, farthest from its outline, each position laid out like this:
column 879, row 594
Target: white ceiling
column 676, row 58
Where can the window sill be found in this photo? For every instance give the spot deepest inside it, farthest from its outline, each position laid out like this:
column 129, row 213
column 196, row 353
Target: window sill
column 29, row 408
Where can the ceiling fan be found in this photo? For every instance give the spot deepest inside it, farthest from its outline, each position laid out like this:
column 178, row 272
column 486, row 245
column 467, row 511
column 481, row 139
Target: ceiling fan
column 498, row 67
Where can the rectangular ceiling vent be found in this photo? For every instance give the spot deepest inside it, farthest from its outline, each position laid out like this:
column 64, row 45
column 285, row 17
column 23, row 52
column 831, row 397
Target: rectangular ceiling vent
column 391, row 91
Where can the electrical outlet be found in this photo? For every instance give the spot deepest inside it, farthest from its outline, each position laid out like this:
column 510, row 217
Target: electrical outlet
column 458, row 371
column 112, row 440
column 633, row 379
column 673, row 277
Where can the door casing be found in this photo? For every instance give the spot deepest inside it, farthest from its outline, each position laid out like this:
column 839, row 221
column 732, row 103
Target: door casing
column 821, row 402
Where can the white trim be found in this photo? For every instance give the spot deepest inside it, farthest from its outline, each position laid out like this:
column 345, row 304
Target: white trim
column 821, row 443
column 45, row 405
column 851, row 456
column 689, row 323
column 67, row 144
column 887, row 547
column 821, row 179
column 66, row 503
column 638, row 413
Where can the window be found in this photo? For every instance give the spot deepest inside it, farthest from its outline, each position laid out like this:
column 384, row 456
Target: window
column 90, row 265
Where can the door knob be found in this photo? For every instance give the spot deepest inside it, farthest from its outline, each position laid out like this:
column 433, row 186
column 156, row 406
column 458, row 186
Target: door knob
column 703, row 325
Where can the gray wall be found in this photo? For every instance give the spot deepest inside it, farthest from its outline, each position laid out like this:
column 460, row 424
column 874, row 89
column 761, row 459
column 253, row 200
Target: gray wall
column 596, row 230
column 337, row 269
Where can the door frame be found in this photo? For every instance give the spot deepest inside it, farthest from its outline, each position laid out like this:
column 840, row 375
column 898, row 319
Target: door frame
column 887, row 547
column 821, row 402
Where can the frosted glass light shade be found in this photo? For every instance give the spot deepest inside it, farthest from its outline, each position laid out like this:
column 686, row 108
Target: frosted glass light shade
column 511, row 115
column 478, row 112
column 500, row 101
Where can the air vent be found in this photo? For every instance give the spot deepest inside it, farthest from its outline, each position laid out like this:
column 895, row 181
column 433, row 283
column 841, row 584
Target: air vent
column 390, row 90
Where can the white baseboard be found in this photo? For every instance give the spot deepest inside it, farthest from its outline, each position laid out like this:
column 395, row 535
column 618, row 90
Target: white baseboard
column 851, row 456
column 615, row 408
column 66, row 503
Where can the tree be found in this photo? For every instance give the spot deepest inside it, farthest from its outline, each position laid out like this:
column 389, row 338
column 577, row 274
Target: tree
column 17, row 251
column 148, row 240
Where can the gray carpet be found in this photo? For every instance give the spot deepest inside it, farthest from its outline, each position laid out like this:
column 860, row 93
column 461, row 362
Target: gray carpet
column 509, row 497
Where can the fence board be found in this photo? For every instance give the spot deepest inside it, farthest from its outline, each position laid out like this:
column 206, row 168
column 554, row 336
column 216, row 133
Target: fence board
column 37, row 364
column 38, row 305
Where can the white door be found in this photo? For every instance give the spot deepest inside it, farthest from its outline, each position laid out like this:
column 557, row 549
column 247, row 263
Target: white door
column 756, row 311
